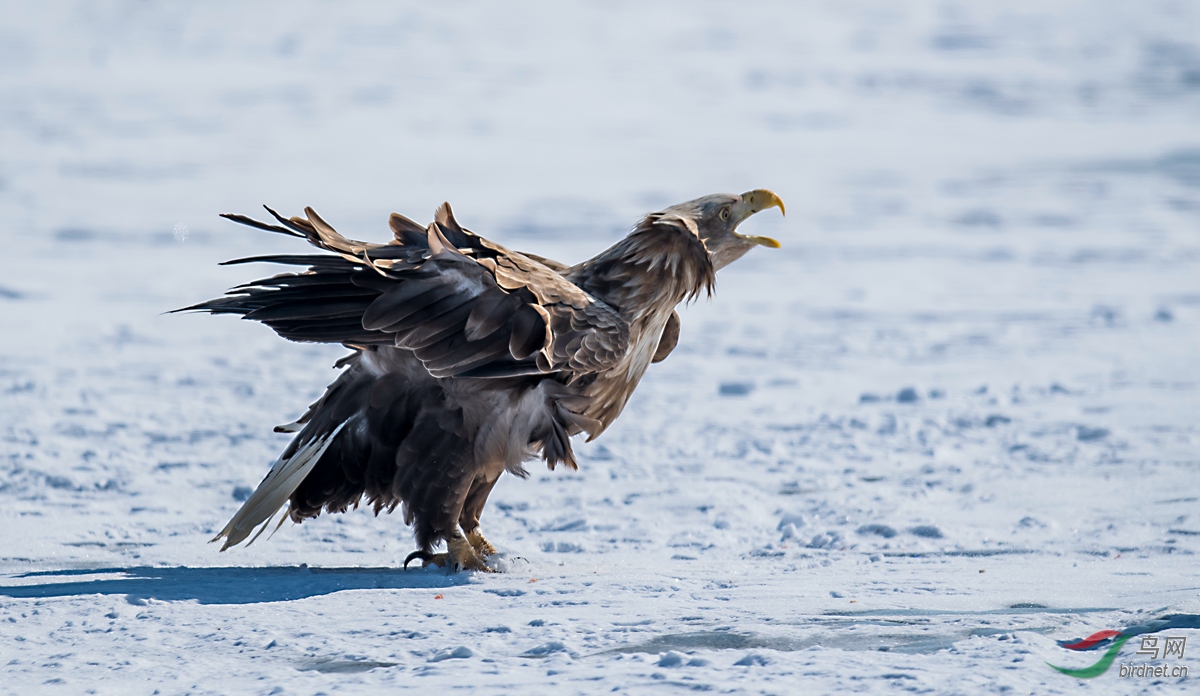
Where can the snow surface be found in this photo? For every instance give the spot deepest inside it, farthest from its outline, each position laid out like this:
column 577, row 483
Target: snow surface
column 953, row 420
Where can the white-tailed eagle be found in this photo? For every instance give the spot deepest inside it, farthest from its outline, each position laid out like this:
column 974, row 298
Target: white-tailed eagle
column 469, row 359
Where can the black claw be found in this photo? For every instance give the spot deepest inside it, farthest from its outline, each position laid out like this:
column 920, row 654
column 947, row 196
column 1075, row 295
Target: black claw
column 425, row 557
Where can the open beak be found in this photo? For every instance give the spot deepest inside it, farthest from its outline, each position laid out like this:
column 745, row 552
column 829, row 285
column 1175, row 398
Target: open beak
column 753, row 202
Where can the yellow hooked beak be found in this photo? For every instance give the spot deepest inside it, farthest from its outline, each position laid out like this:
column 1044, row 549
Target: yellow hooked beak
column 753, row 202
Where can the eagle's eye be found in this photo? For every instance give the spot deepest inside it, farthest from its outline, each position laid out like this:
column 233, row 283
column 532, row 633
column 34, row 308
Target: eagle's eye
column 724, row 214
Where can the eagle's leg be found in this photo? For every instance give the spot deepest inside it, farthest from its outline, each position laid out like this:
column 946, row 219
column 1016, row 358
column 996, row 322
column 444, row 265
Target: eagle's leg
column 472, row 509
column 460, row 555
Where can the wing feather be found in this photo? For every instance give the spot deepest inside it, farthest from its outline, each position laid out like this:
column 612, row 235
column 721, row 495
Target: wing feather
column 409, row 298
column 668, row 340
column 434, row 331
column 492, row 311
column 465, row 305
column 528, row 334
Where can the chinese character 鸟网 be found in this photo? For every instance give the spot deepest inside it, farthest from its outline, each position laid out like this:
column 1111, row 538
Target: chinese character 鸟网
column 1149, row 647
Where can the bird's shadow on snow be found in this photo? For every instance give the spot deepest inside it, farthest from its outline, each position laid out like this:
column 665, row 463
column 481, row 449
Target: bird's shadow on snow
column 221, row 585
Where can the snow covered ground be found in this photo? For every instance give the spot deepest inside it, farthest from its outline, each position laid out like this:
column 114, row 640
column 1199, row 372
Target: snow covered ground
column 952, row 421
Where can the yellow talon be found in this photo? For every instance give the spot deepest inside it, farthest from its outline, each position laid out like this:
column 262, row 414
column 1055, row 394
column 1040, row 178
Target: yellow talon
column 482, row 546
column 460, row 555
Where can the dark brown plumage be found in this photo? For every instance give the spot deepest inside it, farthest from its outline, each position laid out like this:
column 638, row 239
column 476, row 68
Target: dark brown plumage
column 469, row 358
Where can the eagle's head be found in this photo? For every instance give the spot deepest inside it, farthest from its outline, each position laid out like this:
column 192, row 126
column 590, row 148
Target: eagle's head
column 717, row 217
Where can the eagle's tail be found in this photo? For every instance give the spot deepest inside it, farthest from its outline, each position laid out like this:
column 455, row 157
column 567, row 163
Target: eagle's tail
column 320, row 431
column 391, row 438
column 286, row 474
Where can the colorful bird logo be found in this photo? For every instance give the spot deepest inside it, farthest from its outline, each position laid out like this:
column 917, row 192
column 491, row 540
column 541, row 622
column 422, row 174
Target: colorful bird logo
column 1115, row 640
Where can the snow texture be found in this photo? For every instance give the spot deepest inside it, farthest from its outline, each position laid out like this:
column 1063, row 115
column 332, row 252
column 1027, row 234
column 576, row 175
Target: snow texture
column 953, row 420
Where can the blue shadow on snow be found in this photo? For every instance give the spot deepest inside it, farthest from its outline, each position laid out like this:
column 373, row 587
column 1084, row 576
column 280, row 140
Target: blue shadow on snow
column 226, row 585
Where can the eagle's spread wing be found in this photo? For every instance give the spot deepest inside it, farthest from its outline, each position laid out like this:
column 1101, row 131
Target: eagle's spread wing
column 465, row 306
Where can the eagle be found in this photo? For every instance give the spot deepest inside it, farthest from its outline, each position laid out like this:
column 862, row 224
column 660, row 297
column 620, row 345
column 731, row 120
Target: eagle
column 469, row 359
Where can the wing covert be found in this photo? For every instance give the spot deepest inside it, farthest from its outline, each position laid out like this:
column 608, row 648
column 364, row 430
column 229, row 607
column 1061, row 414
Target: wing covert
column 508, row 314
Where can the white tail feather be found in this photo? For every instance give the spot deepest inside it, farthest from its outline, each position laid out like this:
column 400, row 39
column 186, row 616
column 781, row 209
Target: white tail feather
column 281, row 481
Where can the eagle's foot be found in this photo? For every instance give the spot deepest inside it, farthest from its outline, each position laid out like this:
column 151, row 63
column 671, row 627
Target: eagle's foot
column 459, row 556
column 482, row 546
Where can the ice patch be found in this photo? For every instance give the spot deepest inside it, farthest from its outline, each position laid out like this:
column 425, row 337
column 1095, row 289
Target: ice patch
column 460, row 653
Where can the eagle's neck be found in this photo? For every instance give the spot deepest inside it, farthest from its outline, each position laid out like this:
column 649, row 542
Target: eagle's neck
column 643, row 277
column 649, row 272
